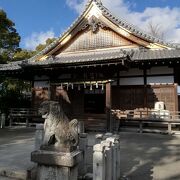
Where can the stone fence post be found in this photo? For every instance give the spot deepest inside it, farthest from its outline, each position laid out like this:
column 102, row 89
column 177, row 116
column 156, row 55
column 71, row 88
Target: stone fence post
column 117, row 144
column 83, row 146
column 114, row 154
column 2, row 120
column 98, row 162
column 81, row 128
column 108, row 159
column 39, row 135
column 116, row 157
column 99, row 138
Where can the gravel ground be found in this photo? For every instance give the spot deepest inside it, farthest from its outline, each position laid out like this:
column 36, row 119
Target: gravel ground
column 144, row 156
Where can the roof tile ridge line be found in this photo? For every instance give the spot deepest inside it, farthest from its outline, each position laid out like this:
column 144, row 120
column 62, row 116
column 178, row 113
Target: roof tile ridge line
column 118, row 19
column 56, row 41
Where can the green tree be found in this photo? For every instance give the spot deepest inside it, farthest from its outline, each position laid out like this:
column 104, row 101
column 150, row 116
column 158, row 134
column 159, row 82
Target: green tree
column 13, row 94
column 40, row 47
column 23, row 54
column 9, row 38
column 155, row 30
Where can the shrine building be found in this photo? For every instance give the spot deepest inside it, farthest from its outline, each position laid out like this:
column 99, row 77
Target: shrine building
column 102, row 63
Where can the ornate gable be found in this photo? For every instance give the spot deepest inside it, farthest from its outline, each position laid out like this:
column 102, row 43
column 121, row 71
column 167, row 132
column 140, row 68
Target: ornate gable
column 96, row 28
column 93, row 38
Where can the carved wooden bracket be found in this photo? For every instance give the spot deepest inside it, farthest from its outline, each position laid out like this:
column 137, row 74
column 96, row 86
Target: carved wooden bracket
column 94, row 24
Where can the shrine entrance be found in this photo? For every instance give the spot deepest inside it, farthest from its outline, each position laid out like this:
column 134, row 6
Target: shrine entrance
column 88, row 101
column 94, row 101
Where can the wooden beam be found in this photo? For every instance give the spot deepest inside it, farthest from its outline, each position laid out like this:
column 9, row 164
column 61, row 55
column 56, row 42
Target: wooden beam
column 108, row 108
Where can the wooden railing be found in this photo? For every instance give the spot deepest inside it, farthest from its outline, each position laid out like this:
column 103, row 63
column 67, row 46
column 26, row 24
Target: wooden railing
column 22, row 115
column 147, row 116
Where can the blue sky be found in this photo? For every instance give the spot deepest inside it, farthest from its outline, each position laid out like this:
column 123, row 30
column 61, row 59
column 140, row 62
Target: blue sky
column 37, row 20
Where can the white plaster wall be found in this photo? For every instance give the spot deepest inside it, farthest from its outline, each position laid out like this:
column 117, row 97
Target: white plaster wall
column 160, row 70
column 178, row 90
column 41, row 77
column 160, row 79
column 132, row 72
column 41, row 84
column 132, row 81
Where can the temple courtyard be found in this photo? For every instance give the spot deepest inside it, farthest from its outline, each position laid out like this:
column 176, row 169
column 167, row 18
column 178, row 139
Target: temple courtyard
column 143, row 156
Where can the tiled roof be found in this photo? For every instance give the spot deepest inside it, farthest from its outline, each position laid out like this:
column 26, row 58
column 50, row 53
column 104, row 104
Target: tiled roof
column 13, row 66
column 93, row 57
column 156, row 54
column 82, row 57
column 118, row 21
column 132, row 28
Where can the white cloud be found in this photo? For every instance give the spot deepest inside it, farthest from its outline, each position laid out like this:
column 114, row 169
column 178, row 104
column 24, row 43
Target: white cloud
column 77, row 5
column 168, row 19
column 37, row 38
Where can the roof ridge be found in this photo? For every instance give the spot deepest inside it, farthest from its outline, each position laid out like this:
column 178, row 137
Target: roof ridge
column 117, row 20
column 131, row 27
column 55, row 42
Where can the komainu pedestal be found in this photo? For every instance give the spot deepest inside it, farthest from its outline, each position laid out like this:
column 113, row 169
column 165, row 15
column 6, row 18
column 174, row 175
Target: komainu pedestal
column 58, row 156
column 56, row 165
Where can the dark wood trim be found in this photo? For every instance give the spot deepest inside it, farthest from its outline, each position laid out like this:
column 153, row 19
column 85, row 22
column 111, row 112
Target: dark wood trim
column 41, row 80
column 152, row 75
column 176, row 98
column 118, row 78
column 145, row 76
column 108, row 107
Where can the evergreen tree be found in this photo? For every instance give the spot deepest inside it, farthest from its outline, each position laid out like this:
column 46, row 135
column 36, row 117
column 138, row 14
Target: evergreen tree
column 40, row 47
column 9, row 38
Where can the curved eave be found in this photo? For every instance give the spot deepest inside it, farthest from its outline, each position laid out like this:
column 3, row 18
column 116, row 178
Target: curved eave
column 133, row 29
column 117, row 21
column 89, row 57
column 14, row 67
column 165, row 54
column 63, row 35
column 122, row 61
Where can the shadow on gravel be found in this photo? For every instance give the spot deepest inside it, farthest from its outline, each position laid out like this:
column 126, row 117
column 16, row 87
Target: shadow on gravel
column 150, row 156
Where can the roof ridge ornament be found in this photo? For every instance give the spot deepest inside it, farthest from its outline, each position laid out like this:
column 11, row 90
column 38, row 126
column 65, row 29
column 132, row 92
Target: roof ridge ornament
column 98, row 1
column 94, row 24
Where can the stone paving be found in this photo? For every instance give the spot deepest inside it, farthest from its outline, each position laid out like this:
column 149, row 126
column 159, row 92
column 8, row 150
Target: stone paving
column 16, row 144
column 143, row 156
column 150, row 156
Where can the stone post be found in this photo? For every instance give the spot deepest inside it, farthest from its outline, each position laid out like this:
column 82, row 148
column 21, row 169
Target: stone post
column 169, row 128
column 114, row 157
column 117, row 143
column 99, row 138
column 98, row 162
column 10, row 121
column 108, row 159
column 39, row 135
column 3, row 118
column 81, row 127
column 27, row 122
column 107, row 135
column 83, row 144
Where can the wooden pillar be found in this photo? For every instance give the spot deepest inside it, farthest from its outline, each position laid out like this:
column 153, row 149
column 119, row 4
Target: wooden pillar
column 145, row 76
column 108, row 107
column 145, row 87
column 52, row 92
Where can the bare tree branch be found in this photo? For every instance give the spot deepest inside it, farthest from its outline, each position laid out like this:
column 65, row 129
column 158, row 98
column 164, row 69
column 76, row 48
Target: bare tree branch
column 155, row 30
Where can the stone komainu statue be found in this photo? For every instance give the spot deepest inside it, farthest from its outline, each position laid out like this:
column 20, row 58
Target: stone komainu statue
column 59, row 131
